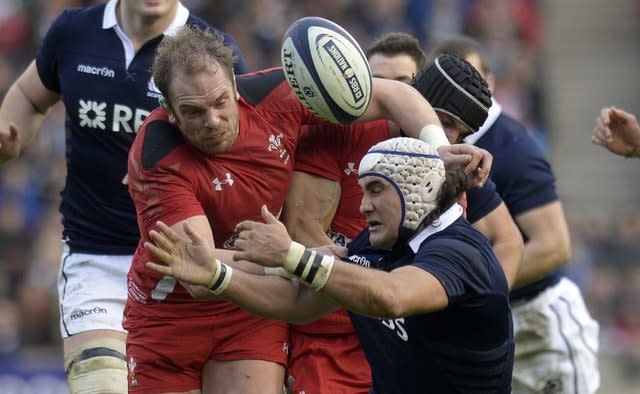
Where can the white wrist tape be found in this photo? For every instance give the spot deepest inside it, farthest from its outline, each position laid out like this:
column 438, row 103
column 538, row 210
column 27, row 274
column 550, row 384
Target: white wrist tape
column 434, row 135
column 221, row 279
column 322, row 275
column 294, row 254
column 310, row 266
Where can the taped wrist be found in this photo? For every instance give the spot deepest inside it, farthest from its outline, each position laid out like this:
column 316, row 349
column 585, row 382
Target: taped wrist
column 221, row 279
column 313, row 268
column 433, row 135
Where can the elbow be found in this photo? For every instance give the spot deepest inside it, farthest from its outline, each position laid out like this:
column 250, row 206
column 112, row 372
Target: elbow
column 386, row 304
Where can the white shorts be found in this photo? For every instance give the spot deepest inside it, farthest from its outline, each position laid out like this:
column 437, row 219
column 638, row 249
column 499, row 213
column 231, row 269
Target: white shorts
column 92, row 290
column 556, row 343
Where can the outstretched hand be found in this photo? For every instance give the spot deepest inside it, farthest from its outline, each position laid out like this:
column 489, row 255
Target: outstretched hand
column 9, row 143
column 191, row 261
column 618, row 131
column 265, row 243
column 477, row 161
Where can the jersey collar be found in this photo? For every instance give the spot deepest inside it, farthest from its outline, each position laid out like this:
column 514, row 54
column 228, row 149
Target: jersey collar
column 445, row 220
column 110, row 19
column 494, row 112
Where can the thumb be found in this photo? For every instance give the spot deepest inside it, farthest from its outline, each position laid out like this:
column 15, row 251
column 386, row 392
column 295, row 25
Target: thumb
column 268, row 216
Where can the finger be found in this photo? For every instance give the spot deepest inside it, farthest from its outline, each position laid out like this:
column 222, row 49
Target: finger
column 168, row 232
column 161, row 241
column 268, row 216
column 193, row 236
column 163, row 269
column 244, row 226
column 240, row 255
column 598, row 138
column 605, row 114
column 13, row 131
column 158, row 253
column 474, row 163
column 240, row 244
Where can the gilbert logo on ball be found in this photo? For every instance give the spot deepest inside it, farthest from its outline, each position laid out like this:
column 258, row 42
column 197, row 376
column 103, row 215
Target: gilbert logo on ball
column 326, row 69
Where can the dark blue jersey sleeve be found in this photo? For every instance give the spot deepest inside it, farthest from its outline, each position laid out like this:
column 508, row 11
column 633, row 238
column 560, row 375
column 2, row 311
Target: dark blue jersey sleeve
column 482, row 201
column 47, row 59
column 522, row 175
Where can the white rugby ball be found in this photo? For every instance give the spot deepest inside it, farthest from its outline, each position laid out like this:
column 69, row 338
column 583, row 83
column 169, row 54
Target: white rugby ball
column 327, row 69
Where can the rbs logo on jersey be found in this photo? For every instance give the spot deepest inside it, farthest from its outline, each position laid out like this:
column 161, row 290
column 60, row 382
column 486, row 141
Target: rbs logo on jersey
column 93, row 114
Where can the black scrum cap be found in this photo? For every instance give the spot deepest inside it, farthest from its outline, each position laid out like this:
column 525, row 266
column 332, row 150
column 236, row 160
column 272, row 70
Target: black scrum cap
column 453, row 85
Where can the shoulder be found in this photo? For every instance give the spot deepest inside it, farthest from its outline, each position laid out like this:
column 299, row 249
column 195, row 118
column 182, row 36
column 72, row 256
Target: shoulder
column 157, row 139
column 74, row 19
column 256, row 87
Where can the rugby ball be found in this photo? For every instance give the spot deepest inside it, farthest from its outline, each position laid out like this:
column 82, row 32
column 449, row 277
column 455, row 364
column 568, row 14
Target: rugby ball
column 326, row 69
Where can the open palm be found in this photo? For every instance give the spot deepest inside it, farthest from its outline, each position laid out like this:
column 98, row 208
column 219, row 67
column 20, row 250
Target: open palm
column 191, row 261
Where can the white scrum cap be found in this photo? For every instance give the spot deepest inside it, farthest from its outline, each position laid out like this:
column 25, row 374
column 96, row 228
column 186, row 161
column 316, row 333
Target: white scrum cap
column 414, row 168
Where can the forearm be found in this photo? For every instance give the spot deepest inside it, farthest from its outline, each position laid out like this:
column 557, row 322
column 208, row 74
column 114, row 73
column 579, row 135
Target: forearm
column 25, row 106
column 274, row 297
column 406, row 107
column 539, row 258
column 509, row 254
column 361, row 290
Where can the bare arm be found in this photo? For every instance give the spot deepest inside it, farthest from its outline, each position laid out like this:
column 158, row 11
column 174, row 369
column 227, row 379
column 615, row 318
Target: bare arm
column 23, row 110
column 200, row 225
column 404, row 106
column 500, row 229
column 310, row 207
column 189, row 257
column 404, row 291
column 548, row 245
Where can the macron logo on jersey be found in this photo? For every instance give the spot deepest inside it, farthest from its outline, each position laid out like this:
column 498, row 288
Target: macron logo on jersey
column 360, row 260
column 99, row 71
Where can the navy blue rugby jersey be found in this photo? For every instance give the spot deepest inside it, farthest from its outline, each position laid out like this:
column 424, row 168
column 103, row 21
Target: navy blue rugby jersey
column 107, row 91
column 523, row 179
column 482, row 201
column 467, row 347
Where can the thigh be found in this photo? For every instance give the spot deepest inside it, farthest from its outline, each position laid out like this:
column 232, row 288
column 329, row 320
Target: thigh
column 239, row 335
column 325, row 364
column 92, row 291
column 242, row 376
column 165, row 354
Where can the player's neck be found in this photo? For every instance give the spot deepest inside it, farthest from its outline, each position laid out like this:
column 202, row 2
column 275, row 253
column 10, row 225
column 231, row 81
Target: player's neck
column 141, row 28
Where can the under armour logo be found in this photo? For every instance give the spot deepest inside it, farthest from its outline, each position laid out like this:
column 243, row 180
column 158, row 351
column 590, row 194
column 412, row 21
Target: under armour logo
column 275, row 143
column 351, row 168
column 285, row 348
column 219, row 182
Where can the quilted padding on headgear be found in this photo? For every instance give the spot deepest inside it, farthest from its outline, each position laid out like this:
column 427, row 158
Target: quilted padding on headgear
column 414, row 168
column 452, row 85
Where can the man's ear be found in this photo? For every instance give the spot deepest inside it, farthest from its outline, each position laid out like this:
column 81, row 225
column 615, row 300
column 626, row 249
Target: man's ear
column 165, row 105
column 236, row 94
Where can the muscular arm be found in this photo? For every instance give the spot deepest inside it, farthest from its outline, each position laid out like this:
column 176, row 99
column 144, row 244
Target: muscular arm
column 201, row 225
column 548, row 244
column 500, row 229
column 23, row 110
column 403, row 105
column 310, row 207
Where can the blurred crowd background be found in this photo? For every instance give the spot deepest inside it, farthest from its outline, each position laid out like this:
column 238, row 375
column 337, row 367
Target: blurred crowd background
column 606, row 257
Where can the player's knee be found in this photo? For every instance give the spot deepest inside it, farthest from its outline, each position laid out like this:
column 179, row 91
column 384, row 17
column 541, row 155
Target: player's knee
column 97, row 367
